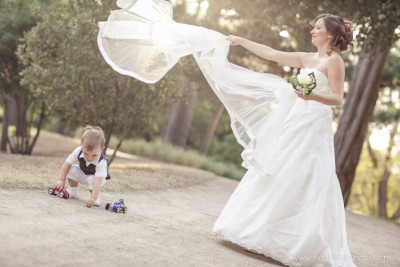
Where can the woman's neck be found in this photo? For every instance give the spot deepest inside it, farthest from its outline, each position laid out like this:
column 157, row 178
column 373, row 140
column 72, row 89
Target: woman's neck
column 324, row 50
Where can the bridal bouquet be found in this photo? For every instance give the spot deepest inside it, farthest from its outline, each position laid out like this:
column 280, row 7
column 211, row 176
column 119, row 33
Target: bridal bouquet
column 304, row 82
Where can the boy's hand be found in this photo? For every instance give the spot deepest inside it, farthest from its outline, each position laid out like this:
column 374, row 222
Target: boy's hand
column 60, row 184
column 90, row 202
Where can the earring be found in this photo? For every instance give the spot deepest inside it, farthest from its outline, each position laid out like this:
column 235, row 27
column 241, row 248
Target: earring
column 334, row 43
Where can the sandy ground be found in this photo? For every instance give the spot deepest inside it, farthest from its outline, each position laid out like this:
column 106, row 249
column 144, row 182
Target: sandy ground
column 171, row 211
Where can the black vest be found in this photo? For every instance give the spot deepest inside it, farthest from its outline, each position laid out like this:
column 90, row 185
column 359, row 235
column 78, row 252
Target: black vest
column 91, row 169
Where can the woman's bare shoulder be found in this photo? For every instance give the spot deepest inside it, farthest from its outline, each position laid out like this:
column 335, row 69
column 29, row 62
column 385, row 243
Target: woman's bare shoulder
column 334, row 61
column 335, row 58
column 334, row 66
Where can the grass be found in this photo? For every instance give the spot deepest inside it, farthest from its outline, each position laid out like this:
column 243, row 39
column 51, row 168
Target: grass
column 42, row 170
column 171, row 154
column 26, row 172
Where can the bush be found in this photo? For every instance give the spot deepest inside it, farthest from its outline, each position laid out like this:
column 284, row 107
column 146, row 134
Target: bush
column 165, row 152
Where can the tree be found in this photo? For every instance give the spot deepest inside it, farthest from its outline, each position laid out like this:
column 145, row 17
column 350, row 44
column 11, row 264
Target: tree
column 64, row 68
column 377, row 37
column 20, row 106
column 211, row 130
column 386, row 116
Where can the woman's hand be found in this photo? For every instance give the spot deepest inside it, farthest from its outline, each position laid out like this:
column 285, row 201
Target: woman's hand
column 235, row 40
column 305, row 97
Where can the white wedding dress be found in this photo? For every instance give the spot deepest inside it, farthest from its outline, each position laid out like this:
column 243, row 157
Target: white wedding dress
column 298, row 216
column 289, row 205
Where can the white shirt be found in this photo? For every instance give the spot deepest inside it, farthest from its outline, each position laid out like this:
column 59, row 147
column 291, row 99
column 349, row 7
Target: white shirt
column 101, row 166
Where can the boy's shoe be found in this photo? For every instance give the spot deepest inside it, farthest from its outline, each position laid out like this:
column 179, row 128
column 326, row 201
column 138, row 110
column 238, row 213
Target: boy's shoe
column 97, row 202
column 72, row 191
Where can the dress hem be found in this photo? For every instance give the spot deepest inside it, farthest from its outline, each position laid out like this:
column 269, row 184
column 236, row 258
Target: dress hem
column 257, row 250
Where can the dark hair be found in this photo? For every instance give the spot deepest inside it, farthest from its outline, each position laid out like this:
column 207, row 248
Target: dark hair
column 340, row 29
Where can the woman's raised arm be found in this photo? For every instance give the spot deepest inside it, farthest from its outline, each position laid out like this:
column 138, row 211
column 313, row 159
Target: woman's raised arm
column 292, row 59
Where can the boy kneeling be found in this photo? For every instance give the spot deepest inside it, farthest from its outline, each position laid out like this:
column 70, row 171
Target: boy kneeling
column 86, row 165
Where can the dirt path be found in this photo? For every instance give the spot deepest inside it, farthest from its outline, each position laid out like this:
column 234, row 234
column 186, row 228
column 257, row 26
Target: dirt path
column 167, row 225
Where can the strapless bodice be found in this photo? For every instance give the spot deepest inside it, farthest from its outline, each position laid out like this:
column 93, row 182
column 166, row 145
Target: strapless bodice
column 322, row 80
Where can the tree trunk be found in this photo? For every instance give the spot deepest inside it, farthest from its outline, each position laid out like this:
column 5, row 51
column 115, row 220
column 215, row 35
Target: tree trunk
column 382, row 194
column 11, row 117
column 124, row 134
column 19, row 143
column 61, row 125
column 169, row 122
column 21, row 125
column 372, row 155
column 358, row 110
column 6, row 122
column 12, row 110
column 183, row 120
column 396, row 214
column 211, row 130
column 42, row 116
column 179, row 120
column 383, row 184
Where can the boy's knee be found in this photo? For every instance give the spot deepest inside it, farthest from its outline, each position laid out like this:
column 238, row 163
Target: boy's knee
column 73, row 173
column 72, row 182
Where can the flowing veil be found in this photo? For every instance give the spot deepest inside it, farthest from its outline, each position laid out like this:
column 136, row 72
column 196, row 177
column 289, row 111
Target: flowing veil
column 289, row 204
column 143, row 41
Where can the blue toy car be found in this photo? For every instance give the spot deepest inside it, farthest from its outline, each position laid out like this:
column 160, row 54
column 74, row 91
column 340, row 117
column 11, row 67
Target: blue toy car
column 117, row 206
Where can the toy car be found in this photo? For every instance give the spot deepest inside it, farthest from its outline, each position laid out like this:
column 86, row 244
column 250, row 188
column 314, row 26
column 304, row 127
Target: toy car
column 117, row 206
column 63, row 193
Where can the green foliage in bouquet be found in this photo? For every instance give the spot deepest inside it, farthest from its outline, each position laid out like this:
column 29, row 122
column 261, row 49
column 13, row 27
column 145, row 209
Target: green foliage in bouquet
column 305, row 83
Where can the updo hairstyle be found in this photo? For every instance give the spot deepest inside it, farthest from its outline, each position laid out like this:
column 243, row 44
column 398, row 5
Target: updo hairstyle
column 340, row 29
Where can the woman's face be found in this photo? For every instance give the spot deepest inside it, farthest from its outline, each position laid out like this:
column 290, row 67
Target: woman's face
column 319, row 34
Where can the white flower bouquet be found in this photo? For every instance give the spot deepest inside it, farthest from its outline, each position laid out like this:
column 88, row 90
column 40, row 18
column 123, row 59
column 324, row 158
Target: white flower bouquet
column 304, row 82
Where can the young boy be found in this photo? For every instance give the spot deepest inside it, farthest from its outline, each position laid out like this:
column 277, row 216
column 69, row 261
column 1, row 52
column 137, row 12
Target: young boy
column 86, row 165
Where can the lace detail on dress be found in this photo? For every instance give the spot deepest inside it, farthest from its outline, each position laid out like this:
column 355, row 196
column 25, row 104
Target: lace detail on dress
column 254, row 248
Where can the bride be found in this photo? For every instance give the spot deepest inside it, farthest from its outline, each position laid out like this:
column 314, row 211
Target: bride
column 288, row 206
column 298, row 217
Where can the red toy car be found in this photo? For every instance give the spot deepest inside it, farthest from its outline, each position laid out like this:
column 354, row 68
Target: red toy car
column 63, row 193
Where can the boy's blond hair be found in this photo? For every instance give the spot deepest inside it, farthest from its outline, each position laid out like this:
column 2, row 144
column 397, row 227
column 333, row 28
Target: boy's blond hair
column 93, row 137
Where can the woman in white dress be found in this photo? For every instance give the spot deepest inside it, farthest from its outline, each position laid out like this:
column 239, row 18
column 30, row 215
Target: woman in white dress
column 289, row 205
column 297, row 217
